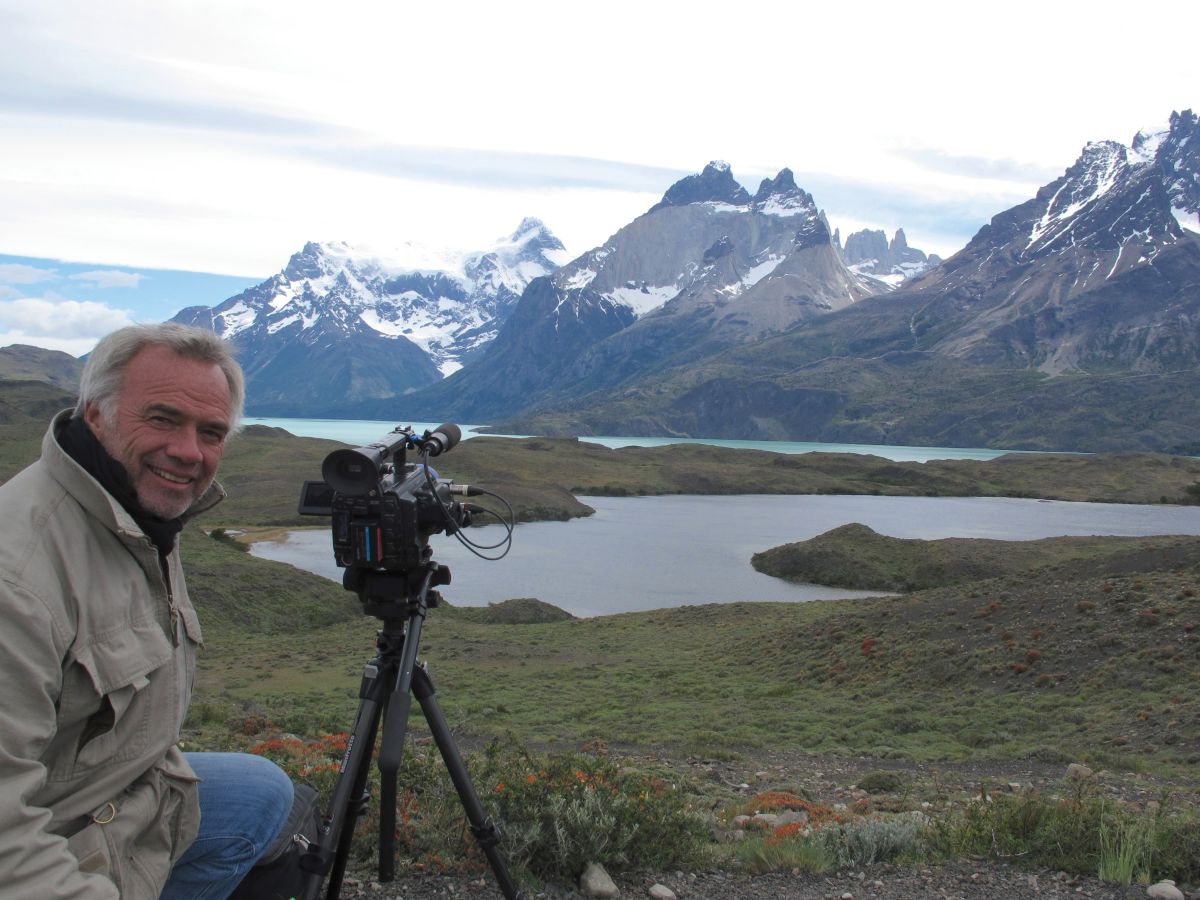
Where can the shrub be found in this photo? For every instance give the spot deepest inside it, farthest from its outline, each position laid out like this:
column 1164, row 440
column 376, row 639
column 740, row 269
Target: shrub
column 1125, row 852
column 881, row 782
column 559, row 812
column 224, row 537
column 864, row 842
column 556, row 813
column 1083, row 835
column 759, row 855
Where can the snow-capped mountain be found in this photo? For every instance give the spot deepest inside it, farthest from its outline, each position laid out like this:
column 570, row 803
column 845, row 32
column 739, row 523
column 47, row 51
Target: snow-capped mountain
column 344, row 323
column 1092, row 272
column 707, row 268
column 1069, row 322
column 869, row 253
column 709, row 242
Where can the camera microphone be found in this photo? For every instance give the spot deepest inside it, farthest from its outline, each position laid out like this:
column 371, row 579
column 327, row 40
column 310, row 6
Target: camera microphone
column 441, row 441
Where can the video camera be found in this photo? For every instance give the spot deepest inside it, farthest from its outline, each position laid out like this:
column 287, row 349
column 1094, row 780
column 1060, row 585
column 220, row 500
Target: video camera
column 384, row 508
column 383, row 511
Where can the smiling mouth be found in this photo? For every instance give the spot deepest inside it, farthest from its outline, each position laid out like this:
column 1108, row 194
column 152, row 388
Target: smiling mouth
column 167, row 476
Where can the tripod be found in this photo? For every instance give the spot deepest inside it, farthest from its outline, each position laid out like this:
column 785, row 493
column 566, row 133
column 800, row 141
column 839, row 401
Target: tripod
column 390, row 680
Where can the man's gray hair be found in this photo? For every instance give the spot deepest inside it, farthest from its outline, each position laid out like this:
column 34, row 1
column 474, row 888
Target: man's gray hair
column 100, row 383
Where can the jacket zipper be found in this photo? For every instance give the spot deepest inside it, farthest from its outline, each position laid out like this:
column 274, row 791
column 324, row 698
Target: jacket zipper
column 164, row 565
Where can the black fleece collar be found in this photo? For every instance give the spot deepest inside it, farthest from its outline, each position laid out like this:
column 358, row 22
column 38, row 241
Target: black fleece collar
column 79, row 443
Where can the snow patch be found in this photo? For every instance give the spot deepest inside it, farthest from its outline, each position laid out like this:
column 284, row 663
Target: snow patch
column 280, row 324
column 720, row 206
column 643, row 299
column 1188, row 220
column 761, row 271
column 580, row 279
column 785, row 207
column 1145, row 146
column 238, row 318
column 372, row 320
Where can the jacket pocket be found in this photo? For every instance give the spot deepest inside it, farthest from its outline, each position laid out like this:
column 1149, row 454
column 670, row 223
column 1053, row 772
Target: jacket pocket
column 134, row 839
column 119, row 667
column 191, row 625
column 137, row 828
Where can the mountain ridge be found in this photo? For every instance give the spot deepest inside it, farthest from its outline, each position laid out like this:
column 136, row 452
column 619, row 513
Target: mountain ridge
column 341, row 323
column 1068, row 322
column 708, row 268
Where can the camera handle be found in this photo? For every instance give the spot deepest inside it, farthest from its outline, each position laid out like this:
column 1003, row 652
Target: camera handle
column 390, row 680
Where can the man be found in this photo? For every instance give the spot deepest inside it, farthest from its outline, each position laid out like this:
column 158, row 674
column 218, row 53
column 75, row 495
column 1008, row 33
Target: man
column 98, row 641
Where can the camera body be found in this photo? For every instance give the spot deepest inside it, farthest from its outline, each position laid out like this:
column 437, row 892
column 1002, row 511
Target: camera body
column 383, row 509
column 390, row 528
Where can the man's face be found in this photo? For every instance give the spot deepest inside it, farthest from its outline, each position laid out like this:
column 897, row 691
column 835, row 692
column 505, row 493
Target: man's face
column 172, row 416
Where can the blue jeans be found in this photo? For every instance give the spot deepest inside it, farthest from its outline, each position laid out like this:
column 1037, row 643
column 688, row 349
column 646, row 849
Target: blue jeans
column 244, row 800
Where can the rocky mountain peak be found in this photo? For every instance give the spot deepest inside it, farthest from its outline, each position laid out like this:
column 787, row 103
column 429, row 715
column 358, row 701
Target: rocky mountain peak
column 1178, row 159
column 783, row 183
column 306, row 264
column 869, row 252
column 781, row 197
column 531, row 250
column 1112, row 200
column 863, row 245
column 714, row 185
column 533, row 236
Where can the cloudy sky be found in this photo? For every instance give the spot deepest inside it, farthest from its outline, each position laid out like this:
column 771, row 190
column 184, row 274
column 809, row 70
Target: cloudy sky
column 144, row 139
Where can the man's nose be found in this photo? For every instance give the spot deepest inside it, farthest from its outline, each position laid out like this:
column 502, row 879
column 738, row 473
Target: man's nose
column 185, row 445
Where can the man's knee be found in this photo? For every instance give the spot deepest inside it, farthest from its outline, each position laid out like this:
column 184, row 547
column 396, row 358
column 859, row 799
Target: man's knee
column 242, row 793
column 278, row 791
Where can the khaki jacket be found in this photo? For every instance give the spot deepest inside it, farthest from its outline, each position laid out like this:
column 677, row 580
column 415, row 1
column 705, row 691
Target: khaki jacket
column 97, row 657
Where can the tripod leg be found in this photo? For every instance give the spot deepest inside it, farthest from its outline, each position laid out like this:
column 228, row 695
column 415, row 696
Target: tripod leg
column 391, row 745
column 346, row 803
column 487, row 835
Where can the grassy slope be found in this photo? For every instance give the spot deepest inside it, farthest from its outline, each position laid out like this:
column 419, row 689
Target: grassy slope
column 242, row 595
column 1107, row 660
column 1030, row 665
column 1104, row 640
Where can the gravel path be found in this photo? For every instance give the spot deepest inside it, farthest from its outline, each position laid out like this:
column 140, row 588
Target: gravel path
column 958, row 881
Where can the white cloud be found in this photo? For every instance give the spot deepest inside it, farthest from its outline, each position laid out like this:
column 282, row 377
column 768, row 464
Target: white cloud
column 53, row 318
column 19, row 273
column 158, row 135
column 109, row 278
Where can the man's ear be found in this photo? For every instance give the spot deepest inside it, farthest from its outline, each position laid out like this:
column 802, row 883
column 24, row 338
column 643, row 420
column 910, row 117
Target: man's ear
column 93, row 418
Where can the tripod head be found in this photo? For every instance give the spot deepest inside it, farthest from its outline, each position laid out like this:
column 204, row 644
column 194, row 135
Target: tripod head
column 391, row 596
